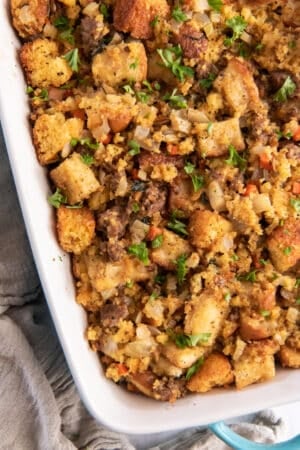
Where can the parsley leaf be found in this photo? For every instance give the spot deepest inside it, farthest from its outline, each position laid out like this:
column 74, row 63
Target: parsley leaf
column 181, row 269
column 206, row 83
column 154, row 22
column 237, row 25
column 135, row 148
column 282, row 135
column 87, row 159
column 147, row 84
column 140, row 251
column 104, row 11
column 68, row 35
column 215, row 4
column 297, row 284
column 135, row 207
column 157, row 241
column 142, row 96
column 178, row 101
column 172, row 58
column 197, row 180
column 295, row 203
column 190, row 340
column 72, row 58
column 285, row 91
column 87, row 142
column 194, row 368
column 179, row 15
column 177, row 226
column 287, row 251
column 134, row 64
column 61, row 23
column 189, row 168
column 265, row 313
column 235, row 159
column 250, row 276
column 57, row 199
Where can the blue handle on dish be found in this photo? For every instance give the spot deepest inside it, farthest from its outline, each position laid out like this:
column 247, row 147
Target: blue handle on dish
column 240, row 443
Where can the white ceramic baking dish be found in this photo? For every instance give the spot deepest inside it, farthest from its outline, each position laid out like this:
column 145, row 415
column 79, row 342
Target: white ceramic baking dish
column 107, row 402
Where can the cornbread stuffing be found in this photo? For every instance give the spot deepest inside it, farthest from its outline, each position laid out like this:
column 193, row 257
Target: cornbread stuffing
column 171, row 132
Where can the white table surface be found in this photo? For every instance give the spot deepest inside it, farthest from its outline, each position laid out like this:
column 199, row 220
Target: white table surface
column 289, row 413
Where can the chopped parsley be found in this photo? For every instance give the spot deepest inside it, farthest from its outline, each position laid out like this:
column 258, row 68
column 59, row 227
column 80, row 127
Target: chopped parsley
column 29, row 90
column 154, row 296
column 297, row 284
column 127, row 88
column 238, row 26
column 287, row 251
column 135, row 148
column 194, row 368
column 135, row 207
column 72, row 58
column 197, row 180
column 140, row 251
column 181, row 269
column 178, row 101
column 172, row 59
column 263, row 262
column 190, row 340
column 179, row 15
column 235, row 257
column 104, row 11
column 215, row 4
column 142, row 96
column 292, row 44
column 235, row 159
column 295, row 203
column 134, row 64
column 57, row 199
column 154, row 22
column 189, row 168
column 177, row 226
column 286, row 90
column 265, row 313
column 67, row 35
column 129, row 284
column 87, row 159
column 157, row 86
column 160, row 278
column 157, row 241
column 61, row 23
column 147, row 84
column 86, row 142
column 227, row 296
column 206, row 83
column 259, row 47
column 250, row 276
column 282, row 135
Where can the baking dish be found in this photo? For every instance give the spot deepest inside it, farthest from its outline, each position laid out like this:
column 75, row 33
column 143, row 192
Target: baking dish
column 107, row 402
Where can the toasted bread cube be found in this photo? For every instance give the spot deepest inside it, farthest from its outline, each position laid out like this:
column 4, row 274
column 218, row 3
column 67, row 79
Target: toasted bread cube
column 206, row 228
column 182, row 357
column 244, row 97
column 120, row 63
column 164, row 367
column 51, row 132
column 172, row 247
column 255, row 327
column 215, row 371
column 289, row 357
column 216, row 141
column 135, row 16
column 205, row 314
column 75, row 228
column 29, row 17
column 42, row 64
column 256, row 364
column 76, row 180
column 284, row 245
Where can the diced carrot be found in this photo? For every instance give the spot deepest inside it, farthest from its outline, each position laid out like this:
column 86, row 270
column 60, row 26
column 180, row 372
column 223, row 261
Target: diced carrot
column 79, row 114
column 153, row 232
column 296, row 187
column 265, row 162
column 172, row 149
column 122, row 369
column 250, row 189
column 106, row 139
column 135, row 174
column 296, row 135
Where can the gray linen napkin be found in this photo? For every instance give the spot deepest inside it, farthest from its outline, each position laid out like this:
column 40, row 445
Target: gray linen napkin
column 39, row 406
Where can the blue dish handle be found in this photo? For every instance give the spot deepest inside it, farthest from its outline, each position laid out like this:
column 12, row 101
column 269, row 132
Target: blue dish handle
column 240, row 443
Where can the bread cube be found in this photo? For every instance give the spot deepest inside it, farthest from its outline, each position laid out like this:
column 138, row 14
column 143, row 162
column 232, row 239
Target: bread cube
column 216, row 141
column 215, row 371
column 120, row 63
column 75, row 228
column 29, row 17
column 75, row 179
column 255, row 327
column 256, row 364
column 42, row 64
column 284, row 245
column 51, row 132
column 172, row 247
column 182, row 357
column 289, row 357
column 135, row 16
column 206, row 228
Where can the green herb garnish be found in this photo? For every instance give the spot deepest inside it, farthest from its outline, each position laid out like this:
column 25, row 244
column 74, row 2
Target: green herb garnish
column 181, row 269
column 250, row 276
column 194, row 368
column 87, row 142
column 265, row 313
column 287, row 251
column 190, row 340
column 140, row 251
column 135, row 207
column 142, row 96
column 295, row 203
column 135, row 148
column 178, row 101
column 235, row 159
column 172, row 59
column 127, row 88
column 177, row 226
column 206, row 83
column 57, row 199
column 215, row 4
column 72, row 58
column 237, row 25
column 286, row 90
column 179, row 15
column 157, row 241
column 87, row 159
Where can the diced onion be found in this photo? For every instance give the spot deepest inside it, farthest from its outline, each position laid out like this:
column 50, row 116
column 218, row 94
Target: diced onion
column 197, row 116
column 66, row 150
column 246, row 37
column 138, row 231
column 216, row 196
column 200, row 5
column 261, row 203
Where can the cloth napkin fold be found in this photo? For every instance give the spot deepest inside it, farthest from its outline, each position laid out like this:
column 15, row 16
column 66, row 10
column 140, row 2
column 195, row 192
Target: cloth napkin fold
column 39, row 405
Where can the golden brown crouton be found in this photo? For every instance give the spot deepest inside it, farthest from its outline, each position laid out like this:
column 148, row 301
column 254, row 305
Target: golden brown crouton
column 163, row 367
column 205, row 314
column 215, row 371
column 172, row 247
column 75, row 228
column 76, row 180
column 135, row 16
column 244, row 97
column 118, row 110
column 29, row 17
column 255, row 327
column 206, row 228
column 182, row 357
column 51, row 133
column 216, row 141
column 284, row 245
column 42, row 64
column 289, row 357
column 120, row 63
column 256, row 364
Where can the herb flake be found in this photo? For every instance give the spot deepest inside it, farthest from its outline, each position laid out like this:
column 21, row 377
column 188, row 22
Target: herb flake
column 194, row 368
column 286, row 90
column 140, row 251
